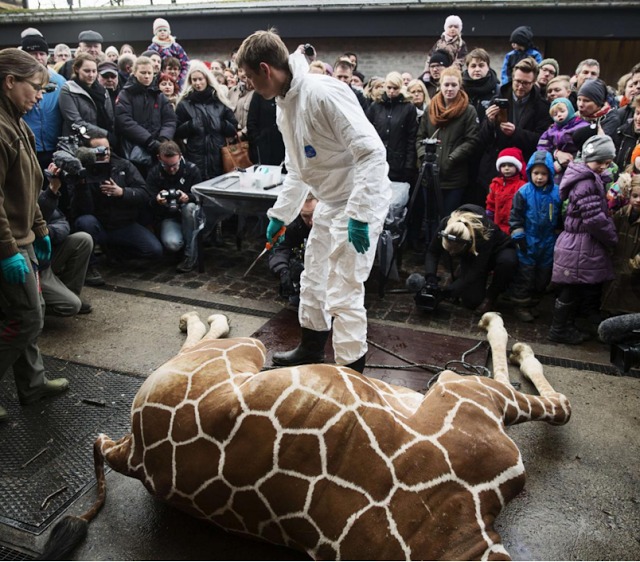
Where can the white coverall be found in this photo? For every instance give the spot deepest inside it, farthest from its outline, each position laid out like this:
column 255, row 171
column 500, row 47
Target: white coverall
column 332, row 149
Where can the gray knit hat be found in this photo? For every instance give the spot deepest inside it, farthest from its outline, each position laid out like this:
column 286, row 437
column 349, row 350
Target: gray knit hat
column 595, row 90
column 598, row 148
column 552, row 62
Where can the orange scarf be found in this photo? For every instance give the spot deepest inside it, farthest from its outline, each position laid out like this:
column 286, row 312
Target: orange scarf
column 440, row 115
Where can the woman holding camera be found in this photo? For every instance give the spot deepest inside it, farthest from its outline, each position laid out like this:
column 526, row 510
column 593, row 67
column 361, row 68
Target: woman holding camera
column 205, row 120
column 85, row 102
column 482, row 248
column 24, row 238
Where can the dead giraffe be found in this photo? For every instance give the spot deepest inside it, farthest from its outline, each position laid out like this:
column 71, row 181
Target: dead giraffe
column 322, row 459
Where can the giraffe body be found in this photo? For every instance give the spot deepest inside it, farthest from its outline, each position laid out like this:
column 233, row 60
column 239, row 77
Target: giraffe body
column 322, row 459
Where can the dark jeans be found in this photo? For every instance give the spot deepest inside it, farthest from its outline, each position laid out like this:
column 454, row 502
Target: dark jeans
column 504, row 265
column 134, row 240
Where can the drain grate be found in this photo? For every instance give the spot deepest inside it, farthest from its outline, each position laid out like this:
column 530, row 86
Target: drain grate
column 582, row 366
column 9, row 554
column 46, row 447
column 188, row 301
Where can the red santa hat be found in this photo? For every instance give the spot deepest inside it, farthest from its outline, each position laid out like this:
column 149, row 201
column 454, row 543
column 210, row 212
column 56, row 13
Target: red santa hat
column 511, row 156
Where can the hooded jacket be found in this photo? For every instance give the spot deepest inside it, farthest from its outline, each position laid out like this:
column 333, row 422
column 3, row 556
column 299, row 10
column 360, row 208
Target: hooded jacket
column 560, row 138
column 396, row 121
column 144, row 113
column 582, row 249
column 536, row 214
column 623, row 293
column 45, row 118
column 331, row 148
column 205, row 126
column 77, row 107
column 21, row 221
column 534, row 120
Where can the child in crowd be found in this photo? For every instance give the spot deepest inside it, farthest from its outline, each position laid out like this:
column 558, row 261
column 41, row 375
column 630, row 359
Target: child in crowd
column 536, row 216
column 165, row 45
column 581, row 259
column 623, row 293
column 618, row 194
column 522, row 45
column 512, row 170
column 558, row 139
column 451, row 41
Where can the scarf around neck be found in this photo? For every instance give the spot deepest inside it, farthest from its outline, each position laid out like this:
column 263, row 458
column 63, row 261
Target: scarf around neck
column 440, row 115
column 164, row 43
column 481, row 88
column 99, row 95
column 205, row 96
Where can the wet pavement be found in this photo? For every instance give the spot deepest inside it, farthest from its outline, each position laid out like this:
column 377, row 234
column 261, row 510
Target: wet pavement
column 582, row 498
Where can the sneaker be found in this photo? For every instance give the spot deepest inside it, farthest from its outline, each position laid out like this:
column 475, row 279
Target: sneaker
column 93, row 277
column 85, row 308
column 186, row 265
column 523, row 314
column 50, row 388
column 3, row 414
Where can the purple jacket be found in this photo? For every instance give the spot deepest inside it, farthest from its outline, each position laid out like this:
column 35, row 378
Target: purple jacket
column 559, row 138
column 174, row 50
column 581, row 254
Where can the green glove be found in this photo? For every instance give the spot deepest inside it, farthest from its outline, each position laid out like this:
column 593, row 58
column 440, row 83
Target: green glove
column 359, row 235
column 14, row 269
column 272, row 230
column 42, row 248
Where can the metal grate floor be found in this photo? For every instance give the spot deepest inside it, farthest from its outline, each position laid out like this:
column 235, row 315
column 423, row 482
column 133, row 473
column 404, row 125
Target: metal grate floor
column 9, row 554
column 45, row 448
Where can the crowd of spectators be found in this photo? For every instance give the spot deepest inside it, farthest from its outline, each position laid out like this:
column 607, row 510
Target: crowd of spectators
column 538, row 169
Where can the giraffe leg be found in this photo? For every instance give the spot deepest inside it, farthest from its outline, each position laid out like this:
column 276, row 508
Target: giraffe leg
column 219, row 327
column 522, row 355
column 191, row 323
column 497, row 337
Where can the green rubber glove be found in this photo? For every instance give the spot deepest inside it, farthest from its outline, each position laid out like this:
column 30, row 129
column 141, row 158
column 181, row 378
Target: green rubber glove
column 14, row 269
column 359, row 235
column 272, row 230
column 42, row 248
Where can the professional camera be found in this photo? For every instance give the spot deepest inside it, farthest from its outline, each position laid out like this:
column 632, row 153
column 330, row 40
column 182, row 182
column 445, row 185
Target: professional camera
column 77, row 163
column 172, row 196
column 430, row 145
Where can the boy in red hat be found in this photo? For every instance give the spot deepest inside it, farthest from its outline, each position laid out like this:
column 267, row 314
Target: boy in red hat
column 512, row 169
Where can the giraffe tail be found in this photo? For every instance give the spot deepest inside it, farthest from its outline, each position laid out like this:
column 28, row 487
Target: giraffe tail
column 70, row 531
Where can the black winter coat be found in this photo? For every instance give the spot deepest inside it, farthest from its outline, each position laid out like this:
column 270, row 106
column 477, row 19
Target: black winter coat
column 113, row 212
column 265, row 139
column 481, row 91
column 473, row 269
column 144, row 114
column 625, row 141
column 157, row 180
column 205, row 127
column 534, row 120
column 396, row 121
column 57, row 223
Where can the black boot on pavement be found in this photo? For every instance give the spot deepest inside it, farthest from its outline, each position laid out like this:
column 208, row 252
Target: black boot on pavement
column 310, row 350
column 93, row 277
column 562, row 329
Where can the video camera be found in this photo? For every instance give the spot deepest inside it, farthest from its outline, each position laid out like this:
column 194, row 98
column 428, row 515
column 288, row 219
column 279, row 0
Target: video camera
column 428, row 294
column 430, row 145
column 623, row 333
column 78, row 163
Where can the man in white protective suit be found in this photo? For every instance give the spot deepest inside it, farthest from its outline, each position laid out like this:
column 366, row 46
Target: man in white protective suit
column 333, row 150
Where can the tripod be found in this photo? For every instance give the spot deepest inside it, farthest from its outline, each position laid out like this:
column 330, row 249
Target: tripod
column 431, row 190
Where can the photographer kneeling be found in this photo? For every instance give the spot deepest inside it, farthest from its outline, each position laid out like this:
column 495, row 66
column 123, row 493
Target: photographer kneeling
column 169, row 185
column 481, row 248
column 109, row 212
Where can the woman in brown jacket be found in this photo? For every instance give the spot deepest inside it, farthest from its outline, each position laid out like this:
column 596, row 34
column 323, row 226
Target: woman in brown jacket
column 24, row 238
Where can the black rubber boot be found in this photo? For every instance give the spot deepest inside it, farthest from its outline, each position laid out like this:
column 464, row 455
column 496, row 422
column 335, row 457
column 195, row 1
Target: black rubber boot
column 310, row 350
column 562, row 329
column 358, row 365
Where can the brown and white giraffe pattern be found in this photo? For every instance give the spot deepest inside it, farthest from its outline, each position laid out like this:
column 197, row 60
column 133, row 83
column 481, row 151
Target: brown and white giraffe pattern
column 325, row 460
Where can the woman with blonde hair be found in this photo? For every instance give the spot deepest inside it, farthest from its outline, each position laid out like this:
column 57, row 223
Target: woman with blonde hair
column 205, row 120
column 374, row 89
column 395, row 119
column 317, row 67
column 419, row 96
column 482, row 247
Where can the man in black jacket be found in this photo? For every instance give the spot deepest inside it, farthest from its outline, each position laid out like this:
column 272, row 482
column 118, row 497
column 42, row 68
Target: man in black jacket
column 62, row 277
column 169, row 185
column 287, row 259
column 343, row 71
column 527, row 118
column 109, row 212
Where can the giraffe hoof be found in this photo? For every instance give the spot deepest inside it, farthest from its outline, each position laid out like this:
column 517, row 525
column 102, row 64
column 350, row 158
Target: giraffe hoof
column 184, row 319
column 487, row 319
column 519, row 352
column 222, row 323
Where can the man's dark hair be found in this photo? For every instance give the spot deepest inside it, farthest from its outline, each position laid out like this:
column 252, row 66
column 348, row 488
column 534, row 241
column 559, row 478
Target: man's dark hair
column 635, row 69
column 342, row 63
column 169, row 149
column 350, row 55
column 172, row 62
column 124, row 61
column 92, row 135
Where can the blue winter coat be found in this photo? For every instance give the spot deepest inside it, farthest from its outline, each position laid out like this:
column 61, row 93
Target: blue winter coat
column 45, row 119
column 536, row 214
column 529, row 53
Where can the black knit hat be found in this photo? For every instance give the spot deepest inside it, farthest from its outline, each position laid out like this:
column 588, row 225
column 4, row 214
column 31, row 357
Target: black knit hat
column 440, row 57
column 522, row 35
column 34, row 44
column 595, row 90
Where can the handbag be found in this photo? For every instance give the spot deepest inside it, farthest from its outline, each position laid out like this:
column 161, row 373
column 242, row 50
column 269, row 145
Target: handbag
column 235, row 156
column 136, row 154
